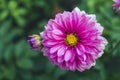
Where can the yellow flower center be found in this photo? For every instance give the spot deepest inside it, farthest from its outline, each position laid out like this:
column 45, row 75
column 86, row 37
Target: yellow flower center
column 71, row 39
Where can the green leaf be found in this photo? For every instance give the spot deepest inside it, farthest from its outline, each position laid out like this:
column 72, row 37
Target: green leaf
column 49, row 67
column 21, row 11
column 8, row 53
column 3, row 15
column 1, row 50
column 12, row 5
column 58, row 73
column 8, row 72
column 4, row 27
column 25, row 63
column 19, row 49
column 20, row 21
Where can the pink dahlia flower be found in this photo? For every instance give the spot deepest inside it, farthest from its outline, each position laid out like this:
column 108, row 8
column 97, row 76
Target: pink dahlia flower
column 73, row 40
column 116, row 6
column 117, row 3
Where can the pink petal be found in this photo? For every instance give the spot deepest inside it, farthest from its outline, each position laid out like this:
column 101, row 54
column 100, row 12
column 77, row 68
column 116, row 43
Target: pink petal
column 56, row 37
column 54, row 49
column 53, row 56
column 57, row 32
column 79, row 67
column 84, row 57
column 80, row 49
column 77, row 10
column 49, row 43
column 74, row 66
column 79, row 52
column 60, row 59
column 61, row 51
column 117, row 1
column 73, row 56
column 68, row 55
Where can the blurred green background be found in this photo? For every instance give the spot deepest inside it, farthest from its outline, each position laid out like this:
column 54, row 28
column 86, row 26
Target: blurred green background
column 20, row 18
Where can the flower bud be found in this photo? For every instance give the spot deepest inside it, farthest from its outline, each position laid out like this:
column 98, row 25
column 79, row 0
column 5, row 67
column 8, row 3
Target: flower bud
column 116, row 6
column 35, row 42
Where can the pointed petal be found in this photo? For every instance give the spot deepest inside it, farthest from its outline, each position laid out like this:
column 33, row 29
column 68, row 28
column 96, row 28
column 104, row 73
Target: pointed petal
column 77, row 10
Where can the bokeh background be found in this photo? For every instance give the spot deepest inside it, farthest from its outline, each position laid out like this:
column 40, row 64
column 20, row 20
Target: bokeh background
column 20, row 18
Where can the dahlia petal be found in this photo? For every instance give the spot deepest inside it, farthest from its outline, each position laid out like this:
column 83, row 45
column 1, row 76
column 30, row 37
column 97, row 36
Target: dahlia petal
column 33, row 40
column 67, row 64
column 63, row 66
column 61, row 51
column 49, row 43
column 77, row 10
column 53, row 56
column 57, row 37
column 68, row 55
column 68, row 21
column 73, row 57
column 84, row 35
column 60, row 59
column 52, row 25
column 116, row 6
column 74, row 19
column 92, row 18
column 117, row 1
column 99, row 28
column 74, row 66
column 57, row 32
column 79, row 52
column 90, row 61
column 59, row 20
column 49, row 35
column 71, row 67
column 84, row 57
column 80, row 49
column 79, row 68
column 54, row 49
column 104, row 41
column 89, row 50
column 100, row 54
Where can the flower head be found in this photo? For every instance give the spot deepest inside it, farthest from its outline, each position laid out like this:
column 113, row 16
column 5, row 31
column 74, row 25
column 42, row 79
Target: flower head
column 73, row 40
column 117, row 3
column 116, row 6
column 35, row 42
